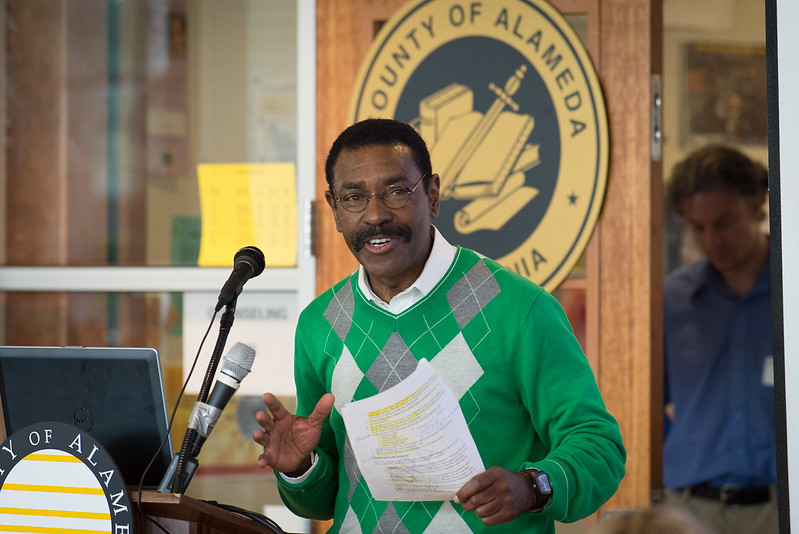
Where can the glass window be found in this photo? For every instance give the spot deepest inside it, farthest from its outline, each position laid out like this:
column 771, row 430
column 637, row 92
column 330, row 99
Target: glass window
column 112, row 105
column 109, row 109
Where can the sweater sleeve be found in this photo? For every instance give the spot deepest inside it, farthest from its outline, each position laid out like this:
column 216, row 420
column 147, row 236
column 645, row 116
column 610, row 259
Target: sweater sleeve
column 315, row 496
column 586, row 455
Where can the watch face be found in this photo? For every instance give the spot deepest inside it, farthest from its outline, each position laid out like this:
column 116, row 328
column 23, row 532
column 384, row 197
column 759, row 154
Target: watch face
column 543, row 483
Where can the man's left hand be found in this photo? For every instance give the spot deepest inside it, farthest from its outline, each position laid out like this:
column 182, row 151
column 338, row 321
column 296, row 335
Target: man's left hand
column 497, row 495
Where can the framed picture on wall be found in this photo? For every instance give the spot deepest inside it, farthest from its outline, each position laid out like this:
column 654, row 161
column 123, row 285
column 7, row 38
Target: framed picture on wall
column 725, row 93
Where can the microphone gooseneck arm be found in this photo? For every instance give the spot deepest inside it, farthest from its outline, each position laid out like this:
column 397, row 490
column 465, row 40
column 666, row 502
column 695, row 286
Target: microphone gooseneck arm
column 225, row 324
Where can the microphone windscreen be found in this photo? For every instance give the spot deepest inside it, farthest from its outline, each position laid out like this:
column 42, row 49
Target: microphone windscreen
column 254, row 257
column 238, row 361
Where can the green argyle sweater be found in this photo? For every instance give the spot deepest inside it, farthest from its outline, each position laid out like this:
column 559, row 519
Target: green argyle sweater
column 504, row 347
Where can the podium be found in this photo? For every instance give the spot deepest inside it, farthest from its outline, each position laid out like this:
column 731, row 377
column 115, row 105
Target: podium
column 180, row 514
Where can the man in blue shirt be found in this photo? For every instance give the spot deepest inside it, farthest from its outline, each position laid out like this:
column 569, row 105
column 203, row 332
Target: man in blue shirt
column 719, row 455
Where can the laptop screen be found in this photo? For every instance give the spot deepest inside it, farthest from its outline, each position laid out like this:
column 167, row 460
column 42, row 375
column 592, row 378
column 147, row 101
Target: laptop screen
column 114, row 394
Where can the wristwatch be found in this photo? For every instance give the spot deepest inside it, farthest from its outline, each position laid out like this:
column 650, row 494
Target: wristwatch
column 542, row 489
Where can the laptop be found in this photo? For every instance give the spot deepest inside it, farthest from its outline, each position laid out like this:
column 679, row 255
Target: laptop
column 114, row 394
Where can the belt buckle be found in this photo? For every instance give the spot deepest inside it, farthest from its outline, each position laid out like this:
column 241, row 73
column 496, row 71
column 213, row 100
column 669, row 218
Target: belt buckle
column 726, row 492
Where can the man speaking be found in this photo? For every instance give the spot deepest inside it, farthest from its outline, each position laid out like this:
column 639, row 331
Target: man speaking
column 526, row 390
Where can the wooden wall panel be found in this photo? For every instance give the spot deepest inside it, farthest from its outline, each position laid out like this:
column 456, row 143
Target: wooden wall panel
column 344, row 33
column 630, row 245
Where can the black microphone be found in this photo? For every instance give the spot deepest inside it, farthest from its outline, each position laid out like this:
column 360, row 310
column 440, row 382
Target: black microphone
column 248, row 263
column 235, row 366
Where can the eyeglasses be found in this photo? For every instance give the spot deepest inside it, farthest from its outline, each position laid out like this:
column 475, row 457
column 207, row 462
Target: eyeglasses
column 393, row 197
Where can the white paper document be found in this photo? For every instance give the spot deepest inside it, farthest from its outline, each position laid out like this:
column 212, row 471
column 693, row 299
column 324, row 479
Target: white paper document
column 411, row 441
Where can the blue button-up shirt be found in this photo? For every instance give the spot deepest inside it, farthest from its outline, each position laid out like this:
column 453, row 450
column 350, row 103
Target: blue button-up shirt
column 719, row 378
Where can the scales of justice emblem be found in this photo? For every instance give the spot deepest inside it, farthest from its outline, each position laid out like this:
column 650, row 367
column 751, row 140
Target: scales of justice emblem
column 481, row 157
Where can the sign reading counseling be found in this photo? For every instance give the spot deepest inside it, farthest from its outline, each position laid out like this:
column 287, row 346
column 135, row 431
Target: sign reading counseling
column 507, row 99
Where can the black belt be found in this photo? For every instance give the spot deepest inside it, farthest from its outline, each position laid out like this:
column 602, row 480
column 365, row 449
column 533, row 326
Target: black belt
column 731, row 494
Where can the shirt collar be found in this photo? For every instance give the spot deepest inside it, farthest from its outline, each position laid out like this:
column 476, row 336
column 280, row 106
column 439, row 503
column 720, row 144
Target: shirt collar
column 711, row 277
column 435, row 268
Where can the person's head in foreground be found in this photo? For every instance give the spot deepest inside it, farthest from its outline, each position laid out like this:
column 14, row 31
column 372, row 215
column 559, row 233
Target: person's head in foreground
column 655, row 520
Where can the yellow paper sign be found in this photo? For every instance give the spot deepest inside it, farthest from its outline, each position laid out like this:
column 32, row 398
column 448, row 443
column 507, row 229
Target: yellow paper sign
column 248, row 205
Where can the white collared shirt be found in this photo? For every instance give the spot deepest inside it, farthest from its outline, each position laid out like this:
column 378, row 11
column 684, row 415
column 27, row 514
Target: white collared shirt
column 435, row 268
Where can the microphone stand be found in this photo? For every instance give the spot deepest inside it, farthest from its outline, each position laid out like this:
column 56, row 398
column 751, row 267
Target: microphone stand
column 184, row 464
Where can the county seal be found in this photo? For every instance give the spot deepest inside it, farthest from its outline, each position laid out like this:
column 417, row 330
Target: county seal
column 507, row 99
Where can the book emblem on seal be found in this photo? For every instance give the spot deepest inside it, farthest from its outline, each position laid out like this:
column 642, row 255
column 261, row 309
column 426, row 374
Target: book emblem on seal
column 473, row 161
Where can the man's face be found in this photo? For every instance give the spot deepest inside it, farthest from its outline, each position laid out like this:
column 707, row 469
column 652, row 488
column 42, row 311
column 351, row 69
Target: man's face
column 391, row 244
column 726, row 227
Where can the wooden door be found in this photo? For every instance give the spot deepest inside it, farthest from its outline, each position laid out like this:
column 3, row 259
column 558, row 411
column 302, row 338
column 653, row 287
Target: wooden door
column 624, row 270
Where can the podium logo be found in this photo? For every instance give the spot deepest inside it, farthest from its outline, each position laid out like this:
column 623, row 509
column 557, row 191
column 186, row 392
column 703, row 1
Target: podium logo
column 507, row 99
column 57, row 478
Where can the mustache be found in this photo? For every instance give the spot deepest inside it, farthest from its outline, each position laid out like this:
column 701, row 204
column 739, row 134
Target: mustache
column 398, row 231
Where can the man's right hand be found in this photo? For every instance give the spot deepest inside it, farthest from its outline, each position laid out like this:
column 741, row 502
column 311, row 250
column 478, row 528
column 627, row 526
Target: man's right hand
column 288, row 439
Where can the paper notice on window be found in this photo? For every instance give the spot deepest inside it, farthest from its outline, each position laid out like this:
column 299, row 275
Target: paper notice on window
column 411, row 441
column 248, row 204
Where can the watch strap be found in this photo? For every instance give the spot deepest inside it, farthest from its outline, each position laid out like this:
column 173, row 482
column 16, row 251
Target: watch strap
column 541, row 488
